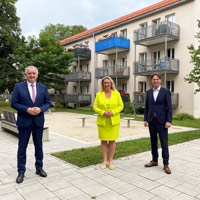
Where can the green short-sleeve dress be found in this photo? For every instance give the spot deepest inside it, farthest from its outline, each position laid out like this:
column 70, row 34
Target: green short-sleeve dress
column 108, row 132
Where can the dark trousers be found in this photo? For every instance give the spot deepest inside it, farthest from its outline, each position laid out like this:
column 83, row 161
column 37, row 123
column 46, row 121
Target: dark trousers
column 155, row 129
column 24, row 135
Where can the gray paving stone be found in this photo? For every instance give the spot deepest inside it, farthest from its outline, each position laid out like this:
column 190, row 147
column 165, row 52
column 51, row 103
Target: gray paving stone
column 121, row 187
column 82, row 197
column 68, row 193
column 146, row 184
column 184, row 197
column 42, row 194
column 56, row 183
column 111, row 196
column 6, row 189
column 169, row 181
column 188, row 189
column 11, row 196
column 165, row 192
column 107, row 180
column 130, row 178
column 139, row 194
column 189, row 179
column 154, row 173
column 85, row 181
column 30, row 188
column 74, row 176
column 95, row 189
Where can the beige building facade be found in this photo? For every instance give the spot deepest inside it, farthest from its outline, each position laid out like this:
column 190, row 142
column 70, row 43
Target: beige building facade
column 129, row 49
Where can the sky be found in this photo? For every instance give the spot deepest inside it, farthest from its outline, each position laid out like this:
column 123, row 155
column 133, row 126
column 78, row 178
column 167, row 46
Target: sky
column 36, row 14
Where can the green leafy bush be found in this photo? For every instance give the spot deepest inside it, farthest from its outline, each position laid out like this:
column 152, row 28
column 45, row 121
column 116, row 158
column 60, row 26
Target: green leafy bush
column 183, row 116
column 128, row 108
column 139, row 110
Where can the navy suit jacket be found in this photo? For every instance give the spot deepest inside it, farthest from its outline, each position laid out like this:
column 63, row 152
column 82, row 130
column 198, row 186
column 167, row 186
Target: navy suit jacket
column 21, row 101
column 162, row 107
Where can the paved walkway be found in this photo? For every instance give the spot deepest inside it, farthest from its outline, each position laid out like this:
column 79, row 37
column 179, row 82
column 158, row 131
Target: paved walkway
column 130, row 180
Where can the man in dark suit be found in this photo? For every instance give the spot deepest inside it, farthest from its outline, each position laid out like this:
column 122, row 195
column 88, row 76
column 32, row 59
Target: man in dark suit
column 158, row 117
column 31, row 100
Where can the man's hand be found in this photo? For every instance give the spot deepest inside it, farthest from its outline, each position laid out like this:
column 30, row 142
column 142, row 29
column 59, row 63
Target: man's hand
column 167, row 125
column 145, row 124
column 34, row 111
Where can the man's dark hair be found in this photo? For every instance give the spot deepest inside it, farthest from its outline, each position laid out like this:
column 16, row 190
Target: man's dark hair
column 155, row 74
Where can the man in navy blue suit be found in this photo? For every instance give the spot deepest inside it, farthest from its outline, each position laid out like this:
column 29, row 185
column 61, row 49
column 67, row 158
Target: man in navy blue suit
column 158, row 117
column 31, row 100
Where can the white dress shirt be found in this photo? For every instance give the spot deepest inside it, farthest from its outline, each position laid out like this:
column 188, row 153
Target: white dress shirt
column 155, row 93
column 30, row 89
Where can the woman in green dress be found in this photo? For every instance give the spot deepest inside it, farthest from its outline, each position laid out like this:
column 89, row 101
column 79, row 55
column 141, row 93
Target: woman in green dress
column 108, row 105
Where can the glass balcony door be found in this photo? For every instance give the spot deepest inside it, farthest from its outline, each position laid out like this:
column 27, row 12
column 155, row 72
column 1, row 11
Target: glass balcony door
column 156, row 59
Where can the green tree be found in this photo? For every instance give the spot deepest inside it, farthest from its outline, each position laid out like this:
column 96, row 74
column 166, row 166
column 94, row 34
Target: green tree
column 194, row 75
column 10, row 33
column 60, row 31
column 49, row 57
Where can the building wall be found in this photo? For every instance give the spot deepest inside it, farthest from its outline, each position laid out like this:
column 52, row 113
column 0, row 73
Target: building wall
column 188, row 102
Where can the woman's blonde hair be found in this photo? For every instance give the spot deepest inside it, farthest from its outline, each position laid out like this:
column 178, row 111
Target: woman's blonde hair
column 110, row 79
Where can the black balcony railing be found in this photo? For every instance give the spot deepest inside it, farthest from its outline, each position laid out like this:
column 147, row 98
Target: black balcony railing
column 113, row 72
column 78, row 76
column 82, row 53
column 78, row 98
column 161, row 65
column 139, row 99
column 152, row 34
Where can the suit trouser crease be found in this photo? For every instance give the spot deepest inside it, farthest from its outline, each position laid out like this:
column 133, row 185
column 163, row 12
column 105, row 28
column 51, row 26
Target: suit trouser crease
column 24, row 136
column 155, row 128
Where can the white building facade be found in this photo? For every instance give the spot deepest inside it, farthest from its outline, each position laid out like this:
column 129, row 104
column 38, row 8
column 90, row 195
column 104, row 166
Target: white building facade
column 131, row 48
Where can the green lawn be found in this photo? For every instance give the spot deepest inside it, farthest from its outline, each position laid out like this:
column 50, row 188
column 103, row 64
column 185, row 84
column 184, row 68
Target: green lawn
column 5, row 106
column 89, row 156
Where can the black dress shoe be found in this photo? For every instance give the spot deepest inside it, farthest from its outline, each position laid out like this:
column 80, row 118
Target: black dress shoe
column 20, row 178
column 41, row 173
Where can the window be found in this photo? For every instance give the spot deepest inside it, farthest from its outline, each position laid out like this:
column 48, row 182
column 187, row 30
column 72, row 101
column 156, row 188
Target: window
column 170, row 85
column 142, row 86
column 155, row 25
column 87, row 43
column 87, row 68
column 170, row 18
column 105, row 64
column 124, row 62
column 74, row 89
column 87, row 89
column 74, row 69
column 156, row 59
column 115, row 34
column 113, row 63
column 81, row 68
column 143, row 31
column 170, row 53
column 123, row 33
column 124, row 87
column 81, row 89
column 143, row 58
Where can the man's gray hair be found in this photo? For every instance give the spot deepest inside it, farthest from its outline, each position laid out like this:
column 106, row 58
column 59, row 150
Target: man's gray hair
column 31, row 67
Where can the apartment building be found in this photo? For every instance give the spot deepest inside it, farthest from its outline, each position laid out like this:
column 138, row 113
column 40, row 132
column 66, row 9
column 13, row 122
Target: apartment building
column 129, row 49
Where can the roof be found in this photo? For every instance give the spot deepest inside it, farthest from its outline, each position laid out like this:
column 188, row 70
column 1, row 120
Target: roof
column 124, row 18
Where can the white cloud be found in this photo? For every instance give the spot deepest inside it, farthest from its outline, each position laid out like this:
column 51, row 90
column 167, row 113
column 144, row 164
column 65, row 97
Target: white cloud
column 35, row 14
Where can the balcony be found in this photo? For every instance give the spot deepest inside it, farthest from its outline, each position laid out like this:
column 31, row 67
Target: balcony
column 82, row 53
column 157, row 33
column 112, row 45
column 139, row 99
column 78, row 98
column 113, row 72
column 78, row 76
column 170, row 66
